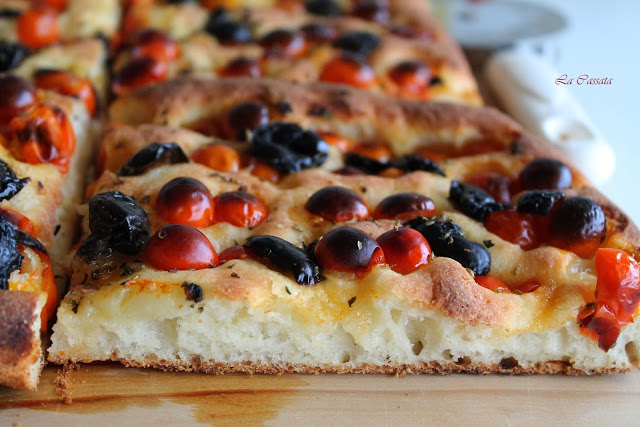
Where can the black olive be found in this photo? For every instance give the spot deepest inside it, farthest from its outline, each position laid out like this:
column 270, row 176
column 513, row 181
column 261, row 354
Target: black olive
column 192, row 291
column 30, row 241
column 539, row 202
column 546, row 174
column 446, row 240
column 10, row 258
column 284, row 256
column 578, row 219
column 287, row 147
column 364, row 163
column 359, row 43
column 10, row 185
column 11, row 55
column 153, row 155
column 323, row 7
column 222, row 27
column 413, row 162
column 118, row 216
column 473, row 201
column 96, row 250
column 8, row 13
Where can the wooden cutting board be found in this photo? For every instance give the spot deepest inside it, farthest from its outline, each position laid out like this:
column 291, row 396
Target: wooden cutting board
column 113, row 395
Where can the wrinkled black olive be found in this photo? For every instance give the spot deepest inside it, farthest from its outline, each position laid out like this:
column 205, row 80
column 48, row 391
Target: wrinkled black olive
column 153, row 155
column 446, row 240
column 10, row 185
column 96, row 250
column 10, row 258
column 192, row 291
column 413, row 162
column 11, row 55
column 118, row 216
column 30, row 241
column 284, row 256
column 538, row 202
column 323, row 7
column 364, row 163
column 474, row 201
column 359, row 43
column 222, row 27
column 287, row 147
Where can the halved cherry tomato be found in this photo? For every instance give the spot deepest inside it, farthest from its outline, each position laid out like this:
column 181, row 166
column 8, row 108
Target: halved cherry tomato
column 138, row 72
column 405, row 249
column 180, row 247
column 17, row 94
column 349, row 250
column 497, row 185
column 233, row 252
column 38, row 27
column 240, row 209
column 241, row 66
column 18, row 220
column 154, row 43
column 186, row 201
column 218, row 157
column 492, row 283
column 348, row 70
column 339, row 141
column 50, row 288
column 412, row 78
column 43, row 134
column 67, row 83
column 527, row 230
column 264, row 171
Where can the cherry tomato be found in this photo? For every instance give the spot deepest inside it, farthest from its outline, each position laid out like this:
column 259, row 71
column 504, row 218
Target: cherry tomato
column 240, row 209
column 341, row 142
column 233, row 252
column 67, row 83
column 526, row 230
column 49, row 287
column 412, row 77
column 43, row 134
column 492, row 283
column 186, row 201
column 283, row 43
column 180, row 247
column 264, row 171
column 618, row 283
column 38, row 27
column 18, row 220
column 348, row 250
column 217, row 157
column 497, row 185
column 405, row 249
column 17, row 95
column 154, row 43
column 138, row 72
column 405, row 206
column 348, row 70
column 578, row 224
column 240, row 67
column 57, row 5
column 337, row 204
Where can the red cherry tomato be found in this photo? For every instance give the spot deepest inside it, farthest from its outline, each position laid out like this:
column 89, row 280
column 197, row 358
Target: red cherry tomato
column 57, row 5
column 492, row 283
column 349, row 71
column 218, row 157
column 349, row 250
column 526, row 230
column 233, row 252
column 337, row 204
column 373, row 150
column 49, row 287
column 67, row 83
column 17, row 94
column 412, row 77
column 38, row 27
column 186, row 201
column 617, row 296
column 497, row 185
column 240, row 67
column 43, row 134
column 18, row 220
column 180, row 247
column 341, row 142
column 154, row 43
column 240, row 209
column 138, row 72
column 405, row 249
column 405, row 206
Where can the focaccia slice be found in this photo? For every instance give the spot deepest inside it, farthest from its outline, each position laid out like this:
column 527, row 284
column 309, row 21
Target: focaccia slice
column 290, row 296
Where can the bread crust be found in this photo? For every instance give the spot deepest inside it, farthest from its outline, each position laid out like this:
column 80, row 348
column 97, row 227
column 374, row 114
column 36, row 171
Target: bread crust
column 20, row 354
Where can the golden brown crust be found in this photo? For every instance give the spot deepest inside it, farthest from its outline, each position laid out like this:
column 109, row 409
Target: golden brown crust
column 506, row 367
column 20, row 353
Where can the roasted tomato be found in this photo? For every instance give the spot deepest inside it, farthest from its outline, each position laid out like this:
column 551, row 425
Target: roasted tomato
column 405, row 249
column 240, row 209
column 373, row 150
column 526, row 230
column 18, row 220
column 17, row 94
column 617, row 297
column 138, row 72
column 348, row 250
column 405, row 206
column 38, row 27
column 186, row 201
column 412, row 78
column 497, row 185
column 337, row 204
column 155, row 44
column 43, row 134
column 349, row 70
column 218, row 157
column 67, row 83
column 180, row 247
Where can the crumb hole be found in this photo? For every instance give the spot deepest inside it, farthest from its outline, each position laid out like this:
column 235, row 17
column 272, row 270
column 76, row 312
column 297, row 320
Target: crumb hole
column 417, row 348
column 509, row 363
column 462, row 361
column 633, row 353
column 346, row 358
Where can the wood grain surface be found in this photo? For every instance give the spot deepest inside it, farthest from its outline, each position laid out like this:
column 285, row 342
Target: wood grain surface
column 114, row 395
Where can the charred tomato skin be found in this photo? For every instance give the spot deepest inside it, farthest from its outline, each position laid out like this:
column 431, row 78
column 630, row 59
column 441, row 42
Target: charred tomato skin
column 180, row 247
column 578, row 224
column 405, row 249
column 405, row 206
column 546, row 174
column 185, row 200
column 337, row 204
